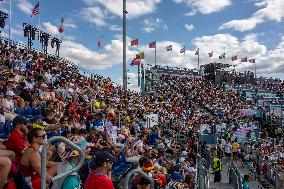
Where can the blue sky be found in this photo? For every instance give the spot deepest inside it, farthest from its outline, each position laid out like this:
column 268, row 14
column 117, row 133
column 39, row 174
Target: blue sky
column 252, row 28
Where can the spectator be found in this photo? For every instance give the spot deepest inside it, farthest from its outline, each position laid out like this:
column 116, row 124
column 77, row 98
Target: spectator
column 17, row 139
column 100, row 177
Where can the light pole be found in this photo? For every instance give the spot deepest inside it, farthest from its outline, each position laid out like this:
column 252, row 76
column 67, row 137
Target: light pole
column 124, row 46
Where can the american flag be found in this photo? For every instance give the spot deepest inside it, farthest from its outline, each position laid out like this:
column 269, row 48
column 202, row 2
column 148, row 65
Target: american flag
column 35, row 10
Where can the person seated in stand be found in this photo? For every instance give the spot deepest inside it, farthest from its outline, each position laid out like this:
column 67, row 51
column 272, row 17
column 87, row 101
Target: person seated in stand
column 30, row 162
column 51, row 116
column 6, row 158
column 17, row 139
column 100, row 177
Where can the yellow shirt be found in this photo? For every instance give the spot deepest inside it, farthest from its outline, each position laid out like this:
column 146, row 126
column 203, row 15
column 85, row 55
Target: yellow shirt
column 235, row 147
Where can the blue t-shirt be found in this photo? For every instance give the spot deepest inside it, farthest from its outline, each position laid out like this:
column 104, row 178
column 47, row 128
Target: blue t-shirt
column 71, row 182
column 246, row 185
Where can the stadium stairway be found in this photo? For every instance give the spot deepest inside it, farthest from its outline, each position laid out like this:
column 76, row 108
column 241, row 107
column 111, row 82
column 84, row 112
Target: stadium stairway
column 224, row 184
column 255, row 181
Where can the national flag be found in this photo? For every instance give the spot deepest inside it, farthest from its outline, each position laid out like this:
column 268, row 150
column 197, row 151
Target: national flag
column 234, row 58
column 135, row 62
column 210, row 54
column 152, row 45
column 252, row 60
column 169, row 48
column 245, row 59
column 197, row 52
column 222, row 56
column 35, row 10
column 61, row 27
column 182, row 50
column 134, row 42
column 140, row 55
column 100, row 45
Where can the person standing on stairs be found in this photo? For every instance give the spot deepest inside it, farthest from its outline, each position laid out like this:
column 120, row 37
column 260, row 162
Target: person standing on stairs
column 235, row 149
column 217, row 167
column 246, row 182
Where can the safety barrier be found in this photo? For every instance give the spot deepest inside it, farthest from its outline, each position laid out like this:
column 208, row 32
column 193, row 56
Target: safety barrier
column 202, row 179
column 235, row 177
column 127, row 178
column 274, row 176
column 44, row 160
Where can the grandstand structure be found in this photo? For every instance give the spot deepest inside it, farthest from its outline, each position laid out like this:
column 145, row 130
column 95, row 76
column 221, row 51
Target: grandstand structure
column 153, row 75
column 185, row 103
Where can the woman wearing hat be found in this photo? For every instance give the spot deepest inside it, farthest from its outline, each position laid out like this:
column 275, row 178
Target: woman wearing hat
column 70, row 158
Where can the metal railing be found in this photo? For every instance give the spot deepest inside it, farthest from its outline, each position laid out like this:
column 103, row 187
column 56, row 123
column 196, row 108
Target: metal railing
column 21, row 45
column 44, row 160
column 125, row 184
column 202, row 179
column 235, row 177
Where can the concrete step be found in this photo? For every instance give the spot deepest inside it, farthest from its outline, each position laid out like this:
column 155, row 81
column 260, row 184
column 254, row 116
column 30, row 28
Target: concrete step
column 219, row 185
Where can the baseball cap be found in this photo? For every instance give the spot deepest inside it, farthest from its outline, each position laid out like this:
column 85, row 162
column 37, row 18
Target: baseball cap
column 104, row 156
column 19, row 120
column 10, row 93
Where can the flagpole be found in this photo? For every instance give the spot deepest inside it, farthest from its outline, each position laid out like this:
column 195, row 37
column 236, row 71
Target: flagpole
column 39, row 14
column 155, row 53
column 138, row 73
column 124, row 46
column 255, row 69
column 10, row 20
column 198, row 61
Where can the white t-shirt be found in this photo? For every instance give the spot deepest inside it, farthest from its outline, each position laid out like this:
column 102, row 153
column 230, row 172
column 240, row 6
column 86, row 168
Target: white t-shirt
column 9, row 104
column 228, row 148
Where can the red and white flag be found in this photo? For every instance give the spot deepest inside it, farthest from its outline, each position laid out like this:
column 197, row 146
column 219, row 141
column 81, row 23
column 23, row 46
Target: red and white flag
column 152, row 45
column 61, row 27
column 135, row 62
column 197, row 52
column 134, row 42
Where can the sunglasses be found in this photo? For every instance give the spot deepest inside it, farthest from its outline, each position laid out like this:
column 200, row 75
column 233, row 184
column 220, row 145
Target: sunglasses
column 42, row 136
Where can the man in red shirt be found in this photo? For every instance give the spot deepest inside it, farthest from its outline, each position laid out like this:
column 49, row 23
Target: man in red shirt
column 17, row 139
column 100, row 178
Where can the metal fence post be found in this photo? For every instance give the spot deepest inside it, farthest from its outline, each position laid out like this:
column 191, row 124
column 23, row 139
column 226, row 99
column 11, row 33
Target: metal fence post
column 125, row 185
column 43, row 159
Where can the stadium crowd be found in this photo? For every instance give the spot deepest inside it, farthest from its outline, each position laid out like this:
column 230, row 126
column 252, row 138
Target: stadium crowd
column 41, row 97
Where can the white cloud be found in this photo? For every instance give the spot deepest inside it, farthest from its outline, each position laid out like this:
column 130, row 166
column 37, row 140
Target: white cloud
column 272, row 11
column 151, row 24
column 115, row 28
column 49, row 28
column 95, row 15
column 204, row 6
column 189, row 27
column 241, row 25
column 25, row 6
column 135, row 8
column 68, row 23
